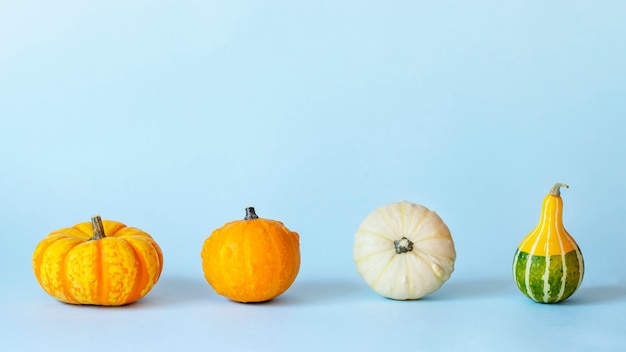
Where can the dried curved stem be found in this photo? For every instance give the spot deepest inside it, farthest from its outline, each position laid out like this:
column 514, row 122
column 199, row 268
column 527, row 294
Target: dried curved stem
column 556, row 190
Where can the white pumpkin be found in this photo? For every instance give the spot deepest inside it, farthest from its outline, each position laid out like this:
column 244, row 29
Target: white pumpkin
column 404, row 251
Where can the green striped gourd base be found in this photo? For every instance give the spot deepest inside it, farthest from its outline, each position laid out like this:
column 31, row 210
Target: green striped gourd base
column 544, row 280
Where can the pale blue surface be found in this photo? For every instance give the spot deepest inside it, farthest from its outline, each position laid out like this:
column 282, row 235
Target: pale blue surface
column 173, row 117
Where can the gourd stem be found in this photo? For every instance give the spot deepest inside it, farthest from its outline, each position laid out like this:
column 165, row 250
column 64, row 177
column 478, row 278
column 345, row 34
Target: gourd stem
column 556, row 190
column 98, row 228
column 250, row 214
column 403, row 245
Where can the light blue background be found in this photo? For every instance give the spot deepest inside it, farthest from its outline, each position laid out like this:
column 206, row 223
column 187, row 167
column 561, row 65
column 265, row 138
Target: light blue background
column 174, row 116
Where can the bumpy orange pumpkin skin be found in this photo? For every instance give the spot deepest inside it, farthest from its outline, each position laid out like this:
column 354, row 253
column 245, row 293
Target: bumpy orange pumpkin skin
column 74, row 266
column 251, row 260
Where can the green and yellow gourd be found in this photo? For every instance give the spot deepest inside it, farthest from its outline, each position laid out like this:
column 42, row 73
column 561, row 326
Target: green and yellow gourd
column 548, row 265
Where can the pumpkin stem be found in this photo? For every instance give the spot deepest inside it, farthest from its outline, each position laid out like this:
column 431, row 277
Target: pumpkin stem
column 250, row 214
column 403, row 245
column 556, row 190
column 98, row 228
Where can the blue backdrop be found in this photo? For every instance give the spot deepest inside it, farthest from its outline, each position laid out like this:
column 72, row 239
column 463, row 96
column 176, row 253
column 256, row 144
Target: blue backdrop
column 174, row 116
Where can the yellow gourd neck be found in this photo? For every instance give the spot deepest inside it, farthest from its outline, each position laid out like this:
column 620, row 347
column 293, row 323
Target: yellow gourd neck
column 550, row 236
column 551, row 213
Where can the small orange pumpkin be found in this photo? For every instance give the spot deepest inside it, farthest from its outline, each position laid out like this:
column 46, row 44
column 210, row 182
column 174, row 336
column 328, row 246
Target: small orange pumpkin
column 251, row 260
column 101, row 262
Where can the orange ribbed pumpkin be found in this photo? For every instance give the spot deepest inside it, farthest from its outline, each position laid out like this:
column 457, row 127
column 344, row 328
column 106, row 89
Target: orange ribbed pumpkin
column 101, row 262
column 251, row 260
